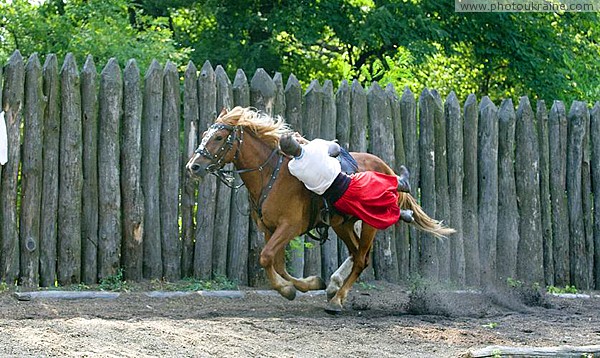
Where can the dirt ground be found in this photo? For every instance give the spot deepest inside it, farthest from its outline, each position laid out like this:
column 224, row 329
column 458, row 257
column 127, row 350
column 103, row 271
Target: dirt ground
column 380, row 320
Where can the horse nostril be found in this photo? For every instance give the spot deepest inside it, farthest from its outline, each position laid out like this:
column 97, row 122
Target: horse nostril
column 195, row 167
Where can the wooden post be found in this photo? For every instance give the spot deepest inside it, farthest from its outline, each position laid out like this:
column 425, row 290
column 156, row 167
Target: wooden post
column 595, row 144
column 530, row 260
column 342, row 130
column 545, row 204
column 89, row 223
column 442, row 202
column 578, row 117
column 131, row 162
column 169, row 174
column 381, row 133
column 237, row 259
column 205, row 219
column 557, row 143
column 470, row 192
column 313, row 110
column 358, row 118
column 454, row 140
column 408, row 114
column 279, row 102
column 329, row 249
column 109, row 182
column 31, row 174
column 587, row 199
column 49, row 212
column 342, row 114
column 508, row 213
column 263, row 91
column 429, row 252
column 487, row 170
column 151, row 125
column 188, row 186
column 293, row 116
column 262, row 97
column 221, row 233
column 12, row 103
column 358, row 139
column 70, row 176
column 293, row 103
column 401, row 231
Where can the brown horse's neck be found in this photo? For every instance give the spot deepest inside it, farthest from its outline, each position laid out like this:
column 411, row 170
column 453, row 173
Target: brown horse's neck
column 253, row 153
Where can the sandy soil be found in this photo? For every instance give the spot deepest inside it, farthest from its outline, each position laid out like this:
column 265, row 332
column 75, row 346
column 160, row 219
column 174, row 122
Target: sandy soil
column 379, row 321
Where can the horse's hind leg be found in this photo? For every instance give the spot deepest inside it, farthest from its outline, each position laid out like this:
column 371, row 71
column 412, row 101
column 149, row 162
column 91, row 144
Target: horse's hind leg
column 302, row 284
column 360, row 261
column 346, row 232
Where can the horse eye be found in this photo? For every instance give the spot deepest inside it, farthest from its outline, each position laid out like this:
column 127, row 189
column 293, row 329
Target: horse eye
column 218, row 138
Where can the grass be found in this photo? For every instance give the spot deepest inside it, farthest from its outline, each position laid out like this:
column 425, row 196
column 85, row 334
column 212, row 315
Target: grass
column 118, row 283
column 559, row 290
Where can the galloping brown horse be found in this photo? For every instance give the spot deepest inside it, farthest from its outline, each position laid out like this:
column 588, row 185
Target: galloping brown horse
column 282, row 205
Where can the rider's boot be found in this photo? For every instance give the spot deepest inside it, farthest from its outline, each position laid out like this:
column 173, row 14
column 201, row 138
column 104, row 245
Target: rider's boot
column 403, row 176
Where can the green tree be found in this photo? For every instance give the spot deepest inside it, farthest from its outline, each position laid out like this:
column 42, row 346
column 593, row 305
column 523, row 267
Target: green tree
column 98, row 27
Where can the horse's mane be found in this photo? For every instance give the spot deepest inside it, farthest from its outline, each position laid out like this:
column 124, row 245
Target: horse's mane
column 265, row 127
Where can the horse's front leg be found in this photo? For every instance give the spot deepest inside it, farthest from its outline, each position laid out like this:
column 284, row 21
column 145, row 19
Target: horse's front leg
column 275, row 244
column 310, row 283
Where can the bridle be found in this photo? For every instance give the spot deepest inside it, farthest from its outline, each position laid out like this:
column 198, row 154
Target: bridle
column 217, row 160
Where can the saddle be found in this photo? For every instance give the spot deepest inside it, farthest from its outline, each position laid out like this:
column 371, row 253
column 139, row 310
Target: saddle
column 322, row 210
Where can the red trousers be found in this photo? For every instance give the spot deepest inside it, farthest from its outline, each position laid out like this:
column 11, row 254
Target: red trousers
column 373, row 198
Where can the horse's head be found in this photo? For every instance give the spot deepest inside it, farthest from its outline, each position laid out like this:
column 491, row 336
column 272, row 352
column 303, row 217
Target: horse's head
column 218, row 147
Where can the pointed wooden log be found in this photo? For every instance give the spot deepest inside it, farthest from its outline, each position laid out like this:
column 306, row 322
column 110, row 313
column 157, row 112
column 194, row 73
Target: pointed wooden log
column 595, row 145
column 454, row 140
column 487, row 177
column 131, row 179
column 222, row 211
column 89, row 224
column 50, row 155
column 429, row 253
column 508, row 213
column 578, row 117
column 31, row 173
column 408, row 114
column 188, row 186
column 470, row 190
column 151, row 128
column 237, row 259
column 557, row 143
column 70, row 176
column 109, row 183
column 545, row 205
column 205, row 219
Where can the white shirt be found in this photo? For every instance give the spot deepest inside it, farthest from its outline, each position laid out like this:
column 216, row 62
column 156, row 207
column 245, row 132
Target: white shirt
column 314, row 167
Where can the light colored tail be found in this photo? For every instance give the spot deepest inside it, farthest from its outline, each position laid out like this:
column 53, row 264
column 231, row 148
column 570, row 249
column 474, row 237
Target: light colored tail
column 422, row 220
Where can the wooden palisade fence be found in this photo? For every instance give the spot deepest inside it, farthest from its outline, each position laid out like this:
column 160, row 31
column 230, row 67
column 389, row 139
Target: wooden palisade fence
column 95, row 180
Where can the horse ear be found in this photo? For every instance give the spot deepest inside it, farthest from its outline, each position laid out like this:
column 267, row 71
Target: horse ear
column 223, row 112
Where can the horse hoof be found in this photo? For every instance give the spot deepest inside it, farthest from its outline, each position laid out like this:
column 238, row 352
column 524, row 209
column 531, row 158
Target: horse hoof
column 333, row 309
column 288, row 292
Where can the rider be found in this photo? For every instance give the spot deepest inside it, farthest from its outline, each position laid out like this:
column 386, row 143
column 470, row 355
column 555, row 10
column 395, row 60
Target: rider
column 370, row 196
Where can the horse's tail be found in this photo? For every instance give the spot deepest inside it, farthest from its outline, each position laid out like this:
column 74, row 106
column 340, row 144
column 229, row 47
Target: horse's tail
column 422, row 220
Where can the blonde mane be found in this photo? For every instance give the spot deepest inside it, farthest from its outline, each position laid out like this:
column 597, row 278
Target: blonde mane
column 265, row 127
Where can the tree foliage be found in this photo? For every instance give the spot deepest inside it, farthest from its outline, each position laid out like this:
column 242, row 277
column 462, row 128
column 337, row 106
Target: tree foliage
column 98, row 27
column 406, row 42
